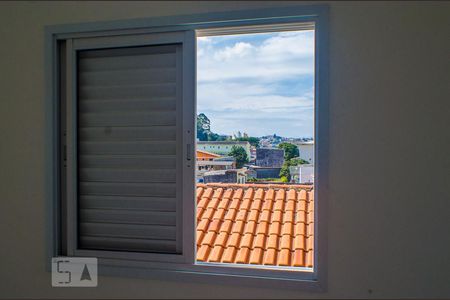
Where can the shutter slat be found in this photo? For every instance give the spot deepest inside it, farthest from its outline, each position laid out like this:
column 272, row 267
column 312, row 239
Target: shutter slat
column 127, row 77
column 128, row 189
column 128, row 231
column 160, row 133
column 128, row 217
column 124, row 244
column 127, row 149
column 151, row 61
column 128, row 202
column 135, row 91
column 138, row 147
column 128, row 175
column 167, row 118
column 131, row 104
column 128, row 161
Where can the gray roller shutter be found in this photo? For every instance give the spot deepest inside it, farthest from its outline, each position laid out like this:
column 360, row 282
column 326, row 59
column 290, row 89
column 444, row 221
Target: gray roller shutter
column 128, row 149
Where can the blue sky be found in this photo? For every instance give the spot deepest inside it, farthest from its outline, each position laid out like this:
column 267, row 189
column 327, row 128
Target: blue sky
column 257, row 83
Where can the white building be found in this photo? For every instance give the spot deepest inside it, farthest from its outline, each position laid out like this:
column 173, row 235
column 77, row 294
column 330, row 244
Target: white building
column 306, row 150
column 302, row 173
column 223, row 147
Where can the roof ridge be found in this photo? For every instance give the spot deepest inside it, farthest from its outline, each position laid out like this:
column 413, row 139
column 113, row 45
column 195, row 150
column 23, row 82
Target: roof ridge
column 256, row 185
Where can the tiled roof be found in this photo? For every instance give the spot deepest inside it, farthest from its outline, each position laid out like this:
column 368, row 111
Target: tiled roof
column 262, row 224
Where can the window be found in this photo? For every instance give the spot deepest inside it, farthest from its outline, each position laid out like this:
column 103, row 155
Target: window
column 258, row 214
column 123, row 130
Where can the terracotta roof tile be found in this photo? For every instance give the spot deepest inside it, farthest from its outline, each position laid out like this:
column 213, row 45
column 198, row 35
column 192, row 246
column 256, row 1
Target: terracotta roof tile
column 265, row 216
column 270, row 257
column 200, row 235
column 233, row 240
column 301, row 205
column 268, row 199
column 302, row 195
column 263, row 227
column 238, row 227
column 226, row 226
column 287, row 229
column 221, row 239
column 219, row 214
column 300, row 228
column 231, row 214
column 309, row 259
column 288, row 217
column 290, row 205
column 259, row 241
column 300, row 216
column 299, row 258
column 275, row 228
column 309, row 243
column 265, row 224
column 272, row 242
column 250, row 227
column 256, row 256
column 200, row 213
column 299, row 242
column 228, row 255
column 243, row 256
column 203, row 225
column 256, row 205
column 286, row 242
column 276, row 216
column 284, row 258
column 208, row 214
column 214, row 226
column 203, row 252
column 310, row 218
column 242, row 215
column 199, row 193
column 247, row 240
column 253, row 216
column 209, row 239
column 216, row 254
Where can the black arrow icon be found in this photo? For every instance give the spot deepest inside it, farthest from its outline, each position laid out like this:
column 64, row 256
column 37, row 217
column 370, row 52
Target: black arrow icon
column 85, row 275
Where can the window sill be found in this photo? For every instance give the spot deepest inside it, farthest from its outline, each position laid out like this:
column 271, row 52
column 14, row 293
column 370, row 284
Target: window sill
column 304, row 279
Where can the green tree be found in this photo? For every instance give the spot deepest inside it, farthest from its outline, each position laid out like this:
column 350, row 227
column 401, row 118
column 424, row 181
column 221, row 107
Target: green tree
column 290, row 150
column 240, row 155
column 254, row 141
column 204, row 132
column 284, row 172
column 297, row 161
column 203, row 127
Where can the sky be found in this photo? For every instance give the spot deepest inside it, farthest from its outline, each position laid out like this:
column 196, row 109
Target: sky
column 260, row 84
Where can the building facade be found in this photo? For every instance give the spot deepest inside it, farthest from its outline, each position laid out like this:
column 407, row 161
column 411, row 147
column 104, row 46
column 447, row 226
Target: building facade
column 222, row 147
column 306, row 150
column 269, row 157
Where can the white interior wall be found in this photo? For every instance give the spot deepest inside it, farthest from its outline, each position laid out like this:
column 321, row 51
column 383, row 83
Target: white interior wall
column 389, row 117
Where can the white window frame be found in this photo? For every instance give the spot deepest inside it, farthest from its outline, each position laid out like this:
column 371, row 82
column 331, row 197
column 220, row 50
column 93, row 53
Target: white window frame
column 187, row 140
column 188, row 269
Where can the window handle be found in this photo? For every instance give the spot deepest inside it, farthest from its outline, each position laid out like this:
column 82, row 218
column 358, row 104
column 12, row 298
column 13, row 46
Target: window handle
column 188, row 152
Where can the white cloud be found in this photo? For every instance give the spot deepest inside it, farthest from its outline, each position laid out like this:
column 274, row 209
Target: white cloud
column 239, row 50
column 261, row 85
column 277, row 57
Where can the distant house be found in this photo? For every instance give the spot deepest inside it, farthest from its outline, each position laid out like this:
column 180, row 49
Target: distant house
column 269, row 157
column 302, row 173
column 222, row 147
column 207, row 161
column 265, row 172
column 225, row 176
column 306, row 150
column 206, row 156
